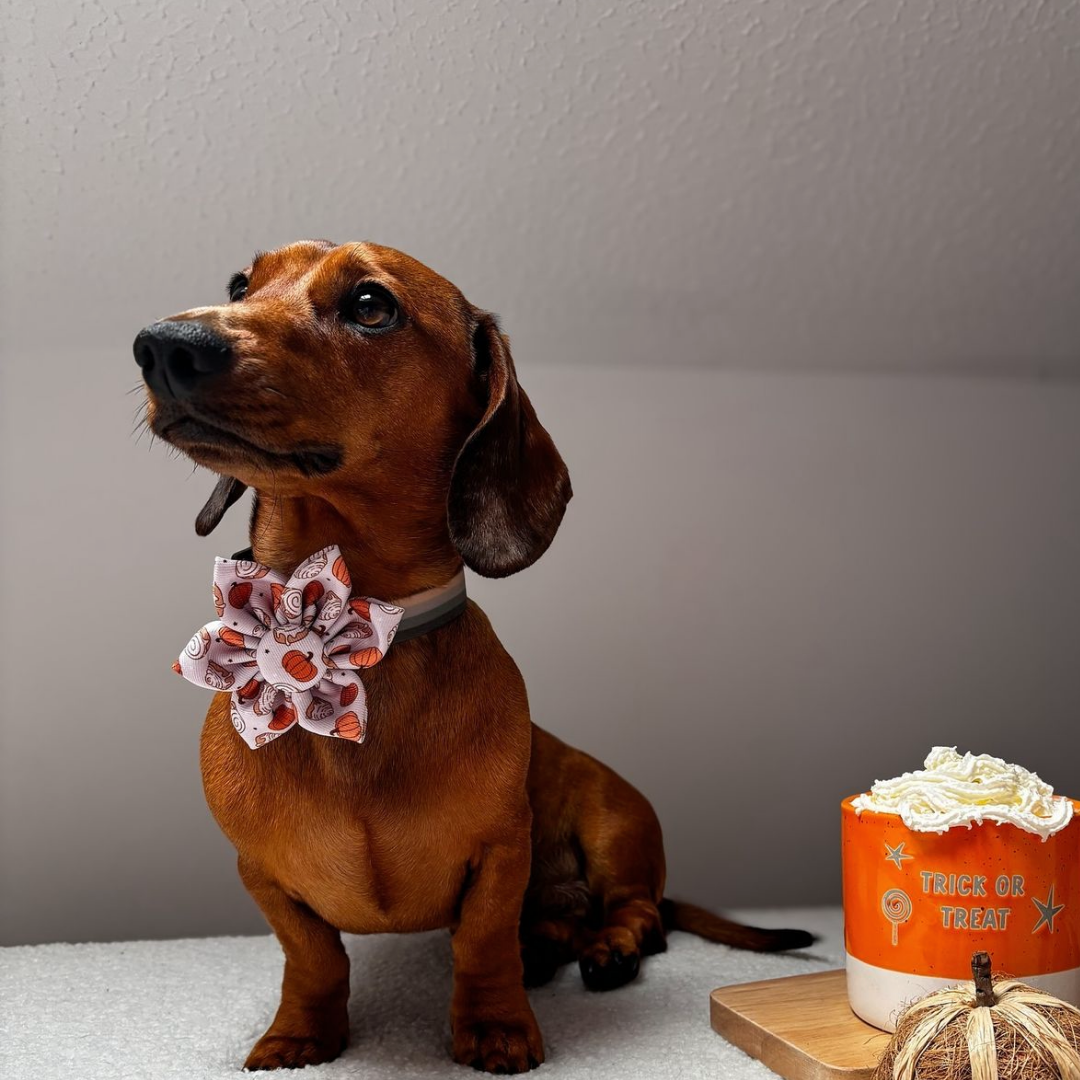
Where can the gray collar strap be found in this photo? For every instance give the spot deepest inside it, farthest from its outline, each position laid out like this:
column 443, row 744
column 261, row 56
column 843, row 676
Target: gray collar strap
column 424, row 611
column 428, row 610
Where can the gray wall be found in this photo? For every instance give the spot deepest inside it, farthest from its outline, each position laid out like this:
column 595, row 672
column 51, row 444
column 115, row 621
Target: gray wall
column 775, row 590
column 847, row 567
column 871, row 185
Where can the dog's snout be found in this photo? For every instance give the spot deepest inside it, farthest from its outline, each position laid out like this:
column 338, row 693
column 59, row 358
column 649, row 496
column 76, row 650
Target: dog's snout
column 178, row 356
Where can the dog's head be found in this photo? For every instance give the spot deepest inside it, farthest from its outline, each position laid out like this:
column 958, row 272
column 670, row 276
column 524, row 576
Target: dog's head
column 355, row 372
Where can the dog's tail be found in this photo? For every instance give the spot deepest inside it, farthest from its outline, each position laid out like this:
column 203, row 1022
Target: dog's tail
column 696, row 920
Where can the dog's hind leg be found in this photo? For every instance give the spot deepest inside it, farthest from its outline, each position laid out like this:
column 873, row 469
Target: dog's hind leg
column 546, row 945
column 596, row 835
column 557, row 903
column 624, row 864
column 611, row 956
column 312, row 1021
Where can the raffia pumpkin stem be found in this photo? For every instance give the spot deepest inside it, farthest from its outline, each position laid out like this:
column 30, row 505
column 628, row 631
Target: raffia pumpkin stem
column 984, row 986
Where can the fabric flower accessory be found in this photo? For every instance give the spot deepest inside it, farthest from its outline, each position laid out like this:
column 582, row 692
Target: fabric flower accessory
column 290, row 649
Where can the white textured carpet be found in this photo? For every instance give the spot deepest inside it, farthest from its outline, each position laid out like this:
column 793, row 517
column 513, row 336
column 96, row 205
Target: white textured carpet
column 191, row 1009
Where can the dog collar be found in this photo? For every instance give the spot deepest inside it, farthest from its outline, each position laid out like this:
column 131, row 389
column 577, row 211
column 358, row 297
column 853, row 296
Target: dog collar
column 424, row 611
column 290, row 650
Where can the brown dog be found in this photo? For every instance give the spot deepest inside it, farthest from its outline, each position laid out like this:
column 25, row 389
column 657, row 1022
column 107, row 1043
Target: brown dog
column 371, row 406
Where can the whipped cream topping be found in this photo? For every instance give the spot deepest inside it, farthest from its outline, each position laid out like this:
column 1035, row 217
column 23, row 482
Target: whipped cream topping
column 952, row 790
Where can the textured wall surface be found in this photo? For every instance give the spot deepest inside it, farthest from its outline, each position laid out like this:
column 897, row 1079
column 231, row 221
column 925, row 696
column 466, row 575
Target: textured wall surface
column 775, row 589
column 875, row 184
column 850, row 566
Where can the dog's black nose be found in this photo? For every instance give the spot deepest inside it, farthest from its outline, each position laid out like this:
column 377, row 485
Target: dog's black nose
column 177, row 357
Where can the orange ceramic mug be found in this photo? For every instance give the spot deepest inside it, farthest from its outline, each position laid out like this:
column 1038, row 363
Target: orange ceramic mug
column 918, row 904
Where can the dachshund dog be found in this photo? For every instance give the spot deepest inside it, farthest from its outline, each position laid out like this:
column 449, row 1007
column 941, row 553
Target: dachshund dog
column 370, row 406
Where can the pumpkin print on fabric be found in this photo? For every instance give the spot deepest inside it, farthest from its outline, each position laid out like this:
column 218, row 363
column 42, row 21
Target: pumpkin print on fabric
column 240, row 594
column 249, row 690
column 299, row 666
column 365, row 658
column 341, row 572
column 348, row 726
column 284, row 717
column 300, row 642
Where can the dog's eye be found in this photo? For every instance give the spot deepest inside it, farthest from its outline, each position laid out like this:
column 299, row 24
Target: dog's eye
column 371, row 307
column 238, row 287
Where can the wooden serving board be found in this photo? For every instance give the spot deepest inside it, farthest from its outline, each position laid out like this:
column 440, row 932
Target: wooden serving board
column 801, row 1027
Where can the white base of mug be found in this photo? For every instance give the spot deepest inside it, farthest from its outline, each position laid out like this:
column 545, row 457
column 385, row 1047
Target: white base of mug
column 878, row 995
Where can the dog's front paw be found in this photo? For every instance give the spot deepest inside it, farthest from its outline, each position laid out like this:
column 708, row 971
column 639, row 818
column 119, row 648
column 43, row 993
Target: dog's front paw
column 294, row 1051
column 503, row 1046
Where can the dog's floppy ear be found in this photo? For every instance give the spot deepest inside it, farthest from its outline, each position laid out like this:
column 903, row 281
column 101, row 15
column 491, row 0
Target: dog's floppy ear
column 226, row 491
column 509, row 487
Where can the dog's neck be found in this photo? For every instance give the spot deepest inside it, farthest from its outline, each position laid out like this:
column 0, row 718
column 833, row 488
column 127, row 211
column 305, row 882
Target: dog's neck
column 392, row 550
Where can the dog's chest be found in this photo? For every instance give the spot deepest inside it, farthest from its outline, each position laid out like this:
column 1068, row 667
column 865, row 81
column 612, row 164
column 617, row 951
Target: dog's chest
column 332, row 837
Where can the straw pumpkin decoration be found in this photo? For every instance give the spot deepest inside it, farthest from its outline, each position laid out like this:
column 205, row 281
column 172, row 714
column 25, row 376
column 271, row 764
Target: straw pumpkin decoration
column 299, row 665
column 996, row 1029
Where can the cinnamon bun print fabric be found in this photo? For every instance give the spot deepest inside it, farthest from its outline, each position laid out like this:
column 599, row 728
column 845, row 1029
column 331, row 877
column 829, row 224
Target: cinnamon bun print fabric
column 290, row 650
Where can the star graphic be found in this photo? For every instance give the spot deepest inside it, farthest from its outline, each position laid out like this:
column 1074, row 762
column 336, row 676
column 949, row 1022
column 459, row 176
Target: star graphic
column 897, row 855
column 1048, row 911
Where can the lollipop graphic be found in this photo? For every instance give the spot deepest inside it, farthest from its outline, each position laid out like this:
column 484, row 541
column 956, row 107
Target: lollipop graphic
column 896, row 906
